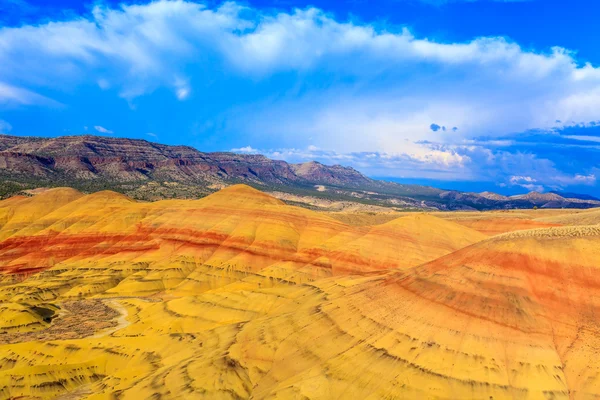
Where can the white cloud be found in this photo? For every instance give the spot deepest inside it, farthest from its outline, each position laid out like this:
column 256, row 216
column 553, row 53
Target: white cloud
column 557, row 181
column 398, row 84
column 183, row 93
column 5, row 127
column 102, row 129
column 145, row 46
column 577, row 179
column 246, row 149
column 10, row 94
column 517, row 180
column 182, row 89
column 442, row 158
column 154, row 135
column 586, row 179
column 583, row 138
column 429, row 162
column 526, row 182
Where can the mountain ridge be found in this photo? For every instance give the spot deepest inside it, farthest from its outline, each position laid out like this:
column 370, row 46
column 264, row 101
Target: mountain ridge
column 153, row 171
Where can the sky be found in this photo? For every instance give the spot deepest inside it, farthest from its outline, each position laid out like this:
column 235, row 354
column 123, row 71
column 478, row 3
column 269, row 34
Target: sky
column 500, row 95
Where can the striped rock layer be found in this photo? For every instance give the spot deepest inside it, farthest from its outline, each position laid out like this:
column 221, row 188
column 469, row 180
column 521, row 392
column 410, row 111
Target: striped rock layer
column 238, row 295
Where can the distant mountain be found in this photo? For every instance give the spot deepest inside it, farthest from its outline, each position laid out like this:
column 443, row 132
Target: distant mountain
column 332, row 175
column 568, row 195
column 539, row 198
column 152, row 171
column 493, row 196
column 554, row 200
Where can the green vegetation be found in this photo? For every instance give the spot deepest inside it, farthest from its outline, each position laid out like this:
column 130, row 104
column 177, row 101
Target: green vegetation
column 8, row 189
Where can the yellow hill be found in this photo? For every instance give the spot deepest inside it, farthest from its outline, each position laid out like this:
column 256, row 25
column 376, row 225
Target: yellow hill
column 404, row 242
column 238, row 295
column 240, row 196
column 587, row 217
column 18, row 213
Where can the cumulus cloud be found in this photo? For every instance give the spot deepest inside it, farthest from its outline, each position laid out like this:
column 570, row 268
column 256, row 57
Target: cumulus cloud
column 246, row 149
column 140, row 47
column 428, row 162
column 527, row 182
column 442, row 158
column 577, row 179
column 102, row 129
column 487, row 86
column 517, row 180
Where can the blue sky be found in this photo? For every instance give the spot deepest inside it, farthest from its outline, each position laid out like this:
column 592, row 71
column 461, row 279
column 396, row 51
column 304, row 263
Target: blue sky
column 474, row 95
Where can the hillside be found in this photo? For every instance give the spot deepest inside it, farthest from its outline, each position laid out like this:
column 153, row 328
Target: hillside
column 152, row 171
column 587, row 217
column 238, row 295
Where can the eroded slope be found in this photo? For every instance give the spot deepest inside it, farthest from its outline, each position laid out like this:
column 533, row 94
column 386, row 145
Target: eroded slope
column 239, row 296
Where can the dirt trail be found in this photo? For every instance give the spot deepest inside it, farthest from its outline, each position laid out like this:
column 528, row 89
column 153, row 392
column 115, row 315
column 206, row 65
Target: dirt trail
column 122, row 321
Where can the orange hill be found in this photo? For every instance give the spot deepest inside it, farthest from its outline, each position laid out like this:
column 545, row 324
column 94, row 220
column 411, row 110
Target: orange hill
column 238, row 295
column 236, row 230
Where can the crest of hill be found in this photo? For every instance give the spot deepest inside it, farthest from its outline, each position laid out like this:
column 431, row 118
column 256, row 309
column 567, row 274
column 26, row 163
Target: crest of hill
column 107, row 197
column 588, row 217
column 240, row 196
column 314, row 171
column 493, row 196
column 537, row 197
column 23, row 212
column 508, row 304
column 56, row 196
column 562, row 232
column 33, row 207
column 402, row 243
column 562, row 261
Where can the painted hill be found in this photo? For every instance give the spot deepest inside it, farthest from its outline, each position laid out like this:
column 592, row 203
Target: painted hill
column 88, row 279
column 238, row 226
column 402, row 243
column 238, row 295
column 587, row 217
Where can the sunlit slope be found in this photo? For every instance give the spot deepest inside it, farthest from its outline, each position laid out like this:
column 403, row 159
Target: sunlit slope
column 238, row 295
column 401, row 243
column 513, row 317
column 107, row 243
column 20, row 212
column 494, row 226
column 487, row 222
column 587, row 217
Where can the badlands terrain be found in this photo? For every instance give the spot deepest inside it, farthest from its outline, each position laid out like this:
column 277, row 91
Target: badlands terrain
column 239, row 295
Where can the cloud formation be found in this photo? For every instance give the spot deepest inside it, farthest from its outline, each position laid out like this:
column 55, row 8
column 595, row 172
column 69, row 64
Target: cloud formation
column 5, row 127
column 246, row 149
column 102, row 129
column 381, row 101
